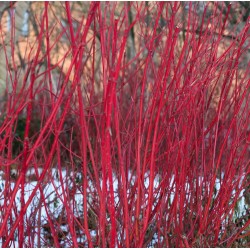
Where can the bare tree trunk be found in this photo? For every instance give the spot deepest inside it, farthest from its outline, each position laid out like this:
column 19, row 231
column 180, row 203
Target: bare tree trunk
column 5, row 49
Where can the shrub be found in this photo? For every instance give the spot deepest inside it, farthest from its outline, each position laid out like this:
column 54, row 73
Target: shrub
column 125, row 125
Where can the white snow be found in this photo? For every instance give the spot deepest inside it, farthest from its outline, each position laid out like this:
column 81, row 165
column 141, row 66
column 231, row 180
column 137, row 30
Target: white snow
column 53, row 194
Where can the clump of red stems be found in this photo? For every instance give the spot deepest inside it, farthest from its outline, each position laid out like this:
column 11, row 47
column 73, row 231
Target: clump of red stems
column 142, row 140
